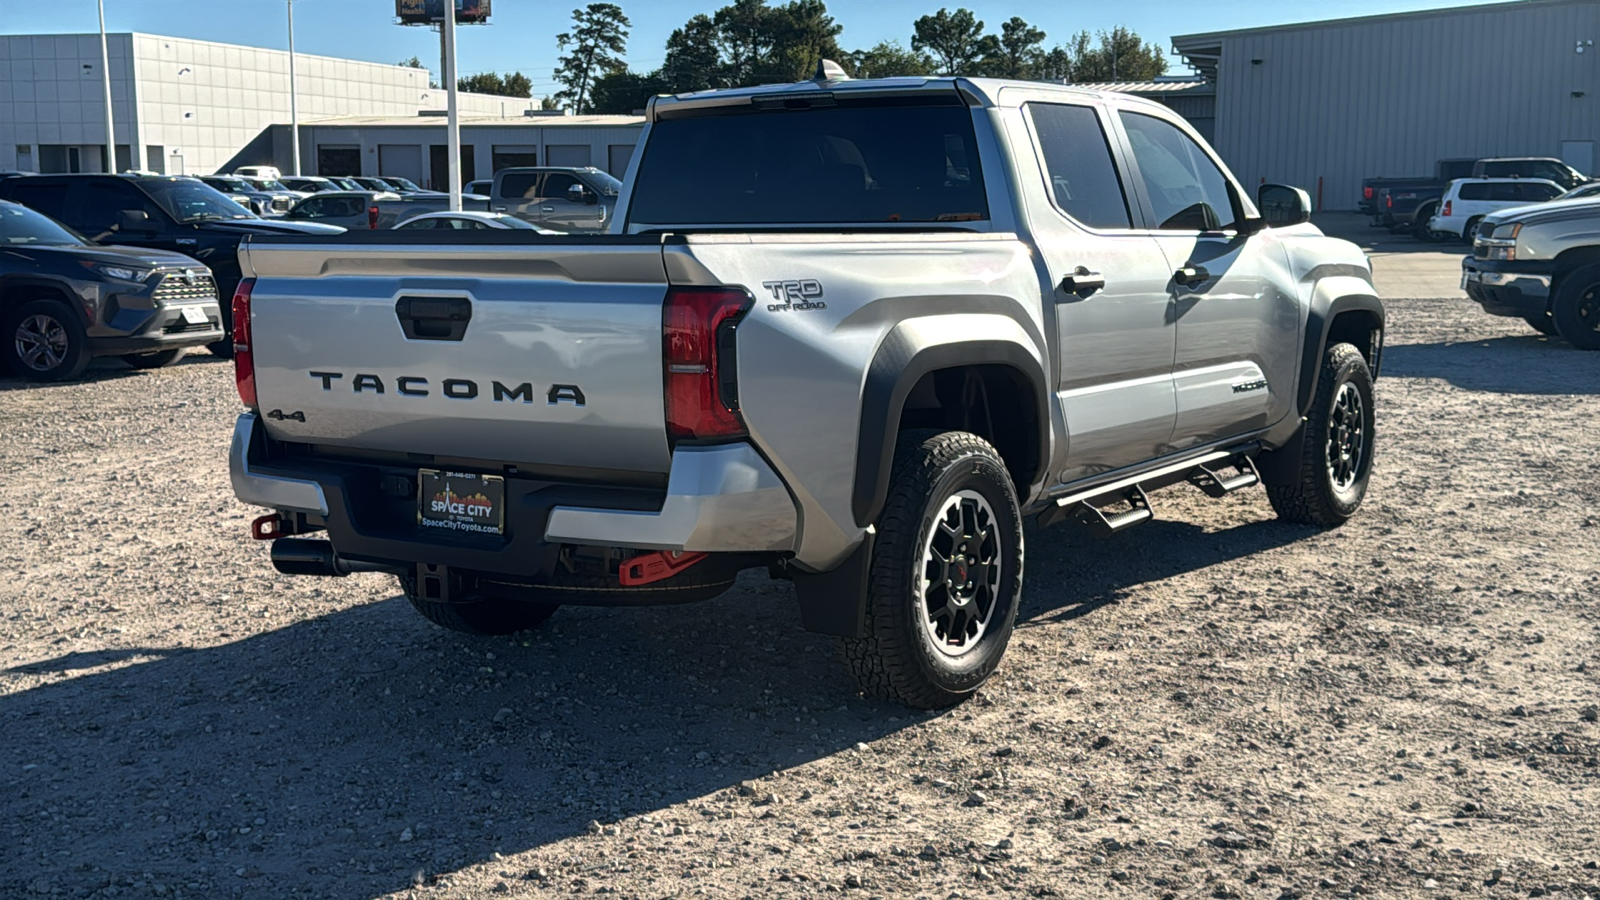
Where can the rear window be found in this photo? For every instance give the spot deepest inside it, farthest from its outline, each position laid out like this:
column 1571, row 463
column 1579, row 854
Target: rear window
column 842, row 164
column 1477, row 191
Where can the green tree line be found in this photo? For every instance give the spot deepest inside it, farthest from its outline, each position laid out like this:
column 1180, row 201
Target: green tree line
column 751, row 42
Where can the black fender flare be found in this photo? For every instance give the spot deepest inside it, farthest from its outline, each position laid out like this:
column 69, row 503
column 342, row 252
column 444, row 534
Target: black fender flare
column 59, row 285
column 896, row 368
column 1319, row 325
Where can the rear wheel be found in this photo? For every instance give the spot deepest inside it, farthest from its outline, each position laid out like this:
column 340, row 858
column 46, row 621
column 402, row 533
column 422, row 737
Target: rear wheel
column 480, row 612
column 42, row 340
column 946, row 573
column 157, row 360
column 1471, row 230
column 1576, row 309
column 1336, row 452
column 1419, row 227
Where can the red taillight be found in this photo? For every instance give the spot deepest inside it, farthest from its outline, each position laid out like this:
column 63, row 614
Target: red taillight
column 1446, row 211
column 1366, row 193
column 697, row 327
column 1388, row 202
column 372, row 216
column 244, row 363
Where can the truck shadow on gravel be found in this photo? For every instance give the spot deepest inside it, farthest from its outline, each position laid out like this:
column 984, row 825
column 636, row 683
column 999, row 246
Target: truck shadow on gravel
column 355, row 752
column 1513, row 364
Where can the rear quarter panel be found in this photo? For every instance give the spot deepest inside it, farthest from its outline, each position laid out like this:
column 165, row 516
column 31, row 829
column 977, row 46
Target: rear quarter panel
column 802, row 366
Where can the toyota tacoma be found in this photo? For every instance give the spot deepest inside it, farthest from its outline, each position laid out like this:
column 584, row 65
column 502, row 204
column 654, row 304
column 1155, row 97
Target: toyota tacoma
column 850, row 332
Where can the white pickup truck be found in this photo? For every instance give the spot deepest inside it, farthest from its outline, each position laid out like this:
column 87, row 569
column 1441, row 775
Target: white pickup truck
column 849, row 332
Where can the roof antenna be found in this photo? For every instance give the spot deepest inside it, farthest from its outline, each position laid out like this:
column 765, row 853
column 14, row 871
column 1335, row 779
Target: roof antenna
column 828, row 70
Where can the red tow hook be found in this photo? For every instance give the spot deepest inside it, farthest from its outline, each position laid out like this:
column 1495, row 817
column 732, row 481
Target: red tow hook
column 267, row 528
column 651, row 567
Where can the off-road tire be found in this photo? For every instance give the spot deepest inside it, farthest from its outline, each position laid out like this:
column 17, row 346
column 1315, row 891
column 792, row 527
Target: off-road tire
column 1312, row 497
column 1576, row 310
column 158, row 360
column 485, row 614
column 69, row 346
column 1543, row 324
column 898, row 659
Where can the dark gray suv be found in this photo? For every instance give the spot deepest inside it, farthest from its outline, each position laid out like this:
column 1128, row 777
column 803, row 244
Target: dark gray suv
column 64, row 300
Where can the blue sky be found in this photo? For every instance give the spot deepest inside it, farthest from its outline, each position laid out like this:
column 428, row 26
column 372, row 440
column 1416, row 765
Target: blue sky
column 522, row 35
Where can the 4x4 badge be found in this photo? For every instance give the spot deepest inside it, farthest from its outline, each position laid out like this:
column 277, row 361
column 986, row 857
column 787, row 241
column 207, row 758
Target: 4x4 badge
column 280, row 415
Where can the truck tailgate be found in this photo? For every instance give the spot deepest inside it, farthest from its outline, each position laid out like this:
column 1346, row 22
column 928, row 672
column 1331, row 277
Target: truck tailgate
column 518, row 349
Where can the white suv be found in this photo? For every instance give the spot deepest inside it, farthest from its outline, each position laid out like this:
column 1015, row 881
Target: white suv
column 1467, row 200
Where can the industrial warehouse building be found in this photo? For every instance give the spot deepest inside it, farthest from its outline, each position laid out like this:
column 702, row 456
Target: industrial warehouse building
column 1330, row 103
column 182, row 106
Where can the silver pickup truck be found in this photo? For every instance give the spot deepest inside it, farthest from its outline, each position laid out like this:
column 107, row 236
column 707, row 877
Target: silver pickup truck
column 850, row 332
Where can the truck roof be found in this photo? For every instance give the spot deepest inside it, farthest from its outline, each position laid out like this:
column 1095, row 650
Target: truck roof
column 984, row 92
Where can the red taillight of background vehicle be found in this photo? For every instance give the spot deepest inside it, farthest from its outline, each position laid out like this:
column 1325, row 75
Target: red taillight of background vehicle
column 244, row 363
column 697, row 345
column 1446, row 211
column 372, row 216
column 1388, row 203
column 1366, row 193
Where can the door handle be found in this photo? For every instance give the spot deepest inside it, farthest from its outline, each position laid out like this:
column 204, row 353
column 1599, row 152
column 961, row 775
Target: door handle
column 434, row 318
column 1189, row 276
column 1082, row 281
column 547, row 209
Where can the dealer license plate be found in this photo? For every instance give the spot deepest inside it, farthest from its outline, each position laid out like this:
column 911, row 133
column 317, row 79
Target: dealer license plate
column 194, row 315
column 461, row 501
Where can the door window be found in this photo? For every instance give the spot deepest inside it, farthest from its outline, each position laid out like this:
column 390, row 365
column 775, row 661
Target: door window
column 310, row 208
column 1077, row 160
column 1187, row 190
column 556, row 185
column 1536, row 192
column 1478, row 190
column 98, row 209
column 48, row 197
column 519, row 185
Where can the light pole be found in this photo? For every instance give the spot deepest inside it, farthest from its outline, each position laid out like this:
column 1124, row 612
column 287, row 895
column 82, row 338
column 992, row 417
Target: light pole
column 294, row 100
column 105, row 77
column 447, row 33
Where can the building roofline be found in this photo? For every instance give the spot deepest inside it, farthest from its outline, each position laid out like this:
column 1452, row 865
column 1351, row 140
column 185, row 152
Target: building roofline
column 173, row 37
column 1474, row 7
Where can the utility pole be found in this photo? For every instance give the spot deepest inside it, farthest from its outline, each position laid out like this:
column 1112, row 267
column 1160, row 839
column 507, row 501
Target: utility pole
column 294, row 100
column 447, row 35
column 105, row 76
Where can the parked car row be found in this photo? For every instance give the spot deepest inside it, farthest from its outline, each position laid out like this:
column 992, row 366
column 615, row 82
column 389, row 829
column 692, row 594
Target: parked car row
column 1421, row 205
column 119, row 265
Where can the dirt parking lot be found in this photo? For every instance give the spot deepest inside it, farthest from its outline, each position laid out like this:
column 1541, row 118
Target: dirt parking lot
column 1211, row 705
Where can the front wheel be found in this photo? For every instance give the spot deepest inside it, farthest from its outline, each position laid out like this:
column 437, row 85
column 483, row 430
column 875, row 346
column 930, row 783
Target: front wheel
column 42, row 340
column 946, row 573
column 1576, row 309
column 158, row 360
column 1336, row 451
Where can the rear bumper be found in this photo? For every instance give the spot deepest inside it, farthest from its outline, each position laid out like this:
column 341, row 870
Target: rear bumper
column 718, row 499
column 1516, row 289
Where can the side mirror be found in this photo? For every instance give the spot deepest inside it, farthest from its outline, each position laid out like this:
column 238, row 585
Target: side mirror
column 133, row 220
column 1282, row 205
column 580, row 194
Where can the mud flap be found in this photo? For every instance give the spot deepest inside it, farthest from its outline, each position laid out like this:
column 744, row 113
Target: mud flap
column 1282, row 466
column 835, row 602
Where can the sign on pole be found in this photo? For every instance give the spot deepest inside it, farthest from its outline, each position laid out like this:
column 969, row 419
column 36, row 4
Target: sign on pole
column 431, row 12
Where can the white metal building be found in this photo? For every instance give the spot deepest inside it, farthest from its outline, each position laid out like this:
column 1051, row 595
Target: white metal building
column 413, row 145
column 1329, row 103
column 183, row 106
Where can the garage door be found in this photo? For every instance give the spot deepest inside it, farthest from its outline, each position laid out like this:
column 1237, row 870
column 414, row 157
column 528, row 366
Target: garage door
column 401, row 160
column 566, row 155
column 617, row 165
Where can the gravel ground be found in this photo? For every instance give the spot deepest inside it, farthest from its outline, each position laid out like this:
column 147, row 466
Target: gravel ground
column 1211, row 705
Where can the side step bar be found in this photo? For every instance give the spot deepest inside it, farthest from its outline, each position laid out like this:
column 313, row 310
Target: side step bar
column 1204, row 472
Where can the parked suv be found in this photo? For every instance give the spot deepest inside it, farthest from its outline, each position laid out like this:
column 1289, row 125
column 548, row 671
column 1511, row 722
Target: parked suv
column 847, row 332
column 64, row 300
column 1546, row 167
column 1541, row 264
column 573, row 200
column 158, row 212
column 1467, row 200
column 262, row 202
